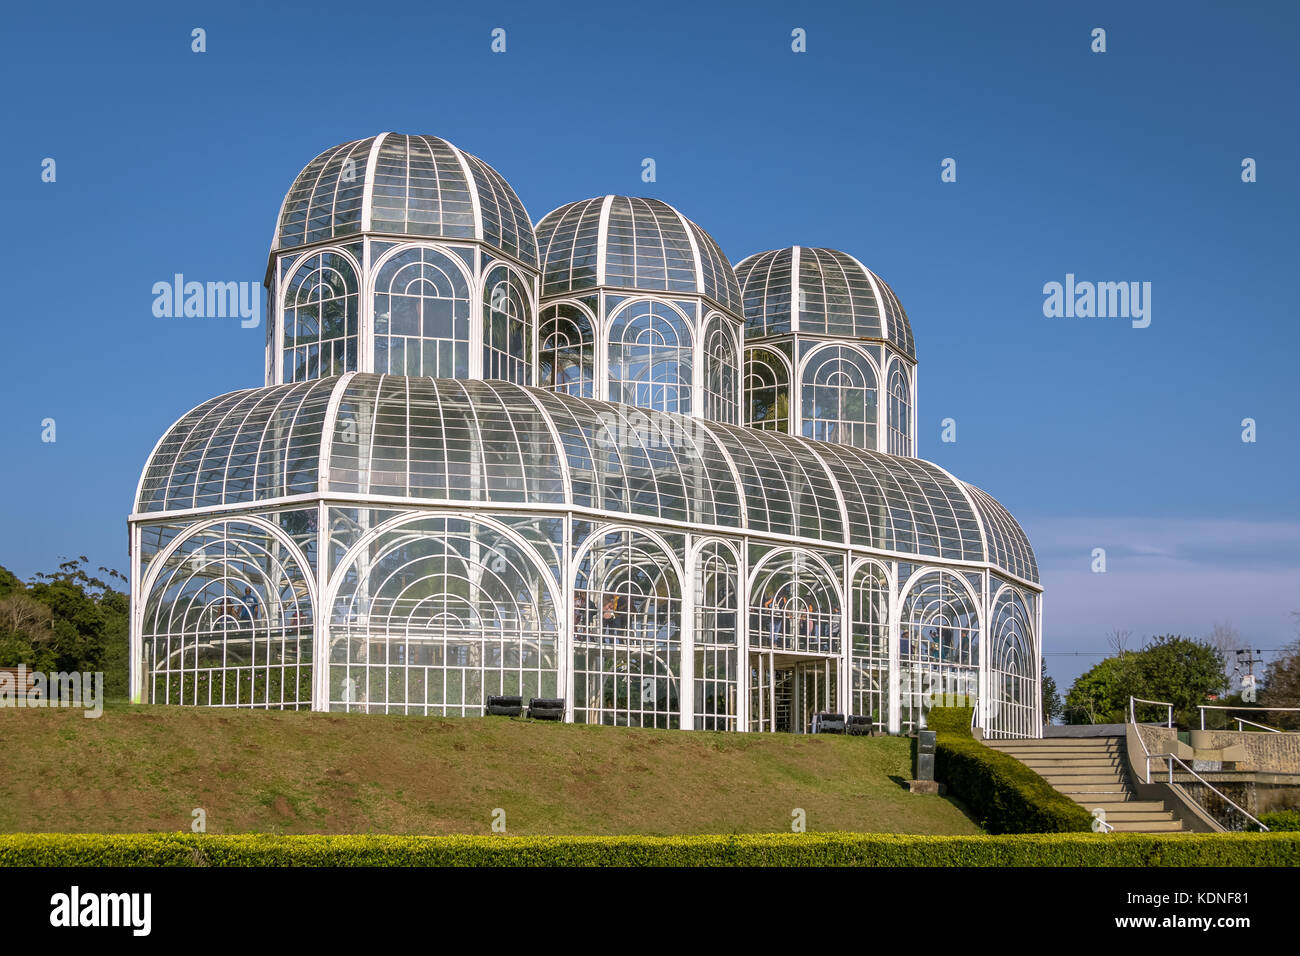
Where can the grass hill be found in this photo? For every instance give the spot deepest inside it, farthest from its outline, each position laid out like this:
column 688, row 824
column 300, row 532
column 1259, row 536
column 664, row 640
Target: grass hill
column 142, row 769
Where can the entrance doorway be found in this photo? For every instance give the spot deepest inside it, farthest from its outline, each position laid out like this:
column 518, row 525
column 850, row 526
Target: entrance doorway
column 785, row 691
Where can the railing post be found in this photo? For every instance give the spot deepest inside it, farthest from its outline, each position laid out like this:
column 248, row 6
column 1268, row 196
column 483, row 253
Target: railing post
column 1169, row 711
column 1202, row 709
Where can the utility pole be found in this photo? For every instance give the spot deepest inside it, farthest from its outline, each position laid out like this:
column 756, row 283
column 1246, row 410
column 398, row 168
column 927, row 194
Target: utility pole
column 1246, row 658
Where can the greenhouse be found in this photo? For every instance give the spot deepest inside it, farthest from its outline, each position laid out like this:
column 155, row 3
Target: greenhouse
column 491, row 461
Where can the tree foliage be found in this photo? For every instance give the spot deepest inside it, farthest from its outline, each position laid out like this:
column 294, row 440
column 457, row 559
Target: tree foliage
column 1179, row 670
column 1053, row 706
column 1282, row 687
column 66, row 620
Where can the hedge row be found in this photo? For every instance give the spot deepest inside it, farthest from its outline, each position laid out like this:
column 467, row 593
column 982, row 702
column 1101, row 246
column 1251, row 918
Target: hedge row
column 1282, row 821
column 1001, row 793
column 769, row 849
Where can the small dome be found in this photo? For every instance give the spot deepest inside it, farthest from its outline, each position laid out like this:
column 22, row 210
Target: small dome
column 838, row 296
column 639, row 244
column 404, row 185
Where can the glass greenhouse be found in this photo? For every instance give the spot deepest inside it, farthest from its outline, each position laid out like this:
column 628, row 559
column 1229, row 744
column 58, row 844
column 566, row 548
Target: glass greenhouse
column 490, row 461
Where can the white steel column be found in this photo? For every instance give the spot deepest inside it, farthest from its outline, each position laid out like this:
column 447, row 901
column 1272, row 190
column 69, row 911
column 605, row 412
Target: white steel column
column 895, row 671
column 135, row 642
column 843, row 700
column 982, row 700
column 743, row 676
column 320, row 618
column 686, row 693
column 477, row 335
column 568, row 581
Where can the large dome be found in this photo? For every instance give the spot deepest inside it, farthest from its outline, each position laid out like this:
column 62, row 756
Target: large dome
column 404, row 185
column 627, row 242
column 837, row 296
column 475, row 444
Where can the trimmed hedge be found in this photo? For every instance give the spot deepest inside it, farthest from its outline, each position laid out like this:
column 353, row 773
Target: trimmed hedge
column 767, row 849
column 1002, row 793
column 950, row 720
column 1281, row 821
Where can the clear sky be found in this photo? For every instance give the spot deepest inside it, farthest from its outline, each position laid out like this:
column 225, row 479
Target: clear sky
column 1116, row 166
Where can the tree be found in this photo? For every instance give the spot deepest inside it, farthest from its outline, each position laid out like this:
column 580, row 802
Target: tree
column 1169, row 668
column 26, row 632
column 1182, row 671
column 66, row 620
column 1282, row 687
column 1100, row 694
column 1052, row 705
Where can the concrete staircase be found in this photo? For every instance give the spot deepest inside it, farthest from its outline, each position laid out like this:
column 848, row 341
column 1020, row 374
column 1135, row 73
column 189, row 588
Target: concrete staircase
column 1092, row 771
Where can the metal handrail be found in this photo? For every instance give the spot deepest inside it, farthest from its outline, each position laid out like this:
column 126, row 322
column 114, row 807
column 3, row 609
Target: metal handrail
column 1132, row 709
column 1204, row 707
column 1226, row 799
column 1242, row 720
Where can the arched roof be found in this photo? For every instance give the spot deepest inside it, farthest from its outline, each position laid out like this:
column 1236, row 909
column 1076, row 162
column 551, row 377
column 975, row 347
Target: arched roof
column 404, row 185
column 632, row 243
column 838, row 296
column 451, row 441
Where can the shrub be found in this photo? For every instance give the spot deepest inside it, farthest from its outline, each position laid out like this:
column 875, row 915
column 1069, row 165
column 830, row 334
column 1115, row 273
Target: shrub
column 950, row 720
column 766, row 849
column 1002, row 793
column 1281, row 821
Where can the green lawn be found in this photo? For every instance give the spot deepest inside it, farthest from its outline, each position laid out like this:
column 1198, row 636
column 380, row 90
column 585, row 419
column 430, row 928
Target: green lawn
column 144, row 769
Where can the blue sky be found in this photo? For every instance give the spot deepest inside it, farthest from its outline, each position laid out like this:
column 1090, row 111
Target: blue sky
column 1122, row 166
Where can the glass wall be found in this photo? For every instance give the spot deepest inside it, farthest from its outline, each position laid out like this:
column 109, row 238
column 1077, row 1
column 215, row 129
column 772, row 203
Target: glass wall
column 627, row 634
column 507, row 332
column 228, row 621
column 650, row 357
column 794, row 605
column 422, row 306
column 938, row 643
column 900, row 411
column 566, row 360
column 839, row 398
column 716, row 609
column 320, row 318
column 869, row 689
column 1013, row 706
column 436, row 615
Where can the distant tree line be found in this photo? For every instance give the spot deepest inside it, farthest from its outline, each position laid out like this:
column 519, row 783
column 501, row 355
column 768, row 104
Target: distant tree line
column 1186, row 672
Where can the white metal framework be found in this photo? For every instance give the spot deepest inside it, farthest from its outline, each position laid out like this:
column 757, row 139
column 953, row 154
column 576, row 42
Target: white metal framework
column 400, row 522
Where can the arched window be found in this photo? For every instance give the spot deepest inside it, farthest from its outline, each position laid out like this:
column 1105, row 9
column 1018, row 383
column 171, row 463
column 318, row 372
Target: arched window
column 650, row 358
column 870, row 684
column 228, row 622
column 627, row 634
column 716, row 607
column 794, row 606
column 938, row 645
column 720, row 373
column 566, row 359
column 435, row 616
column 421, row 316
column 320, row 319
column 839, row 398
column 1012, row 687
column 767, row 391
column 507, row 331
column 900, row 411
